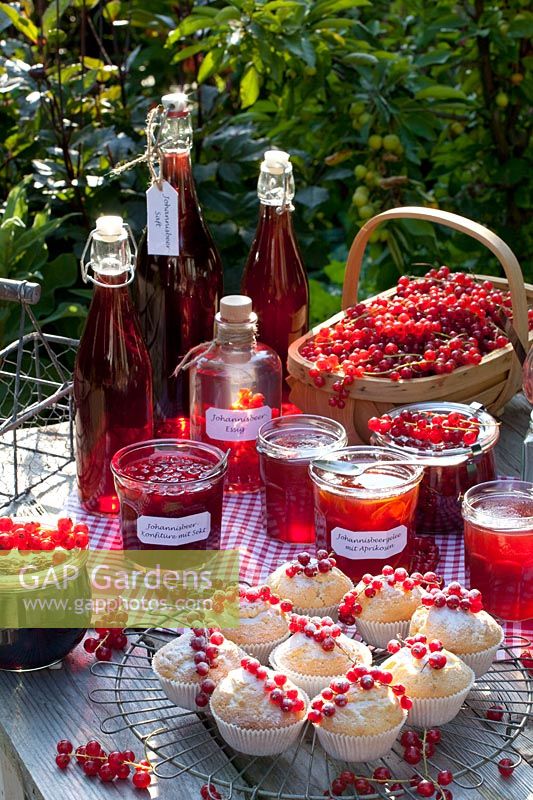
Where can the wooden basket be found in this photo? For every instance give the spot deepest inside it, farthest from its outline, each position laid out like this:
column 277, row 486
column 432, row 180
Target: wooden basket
column 493, row 382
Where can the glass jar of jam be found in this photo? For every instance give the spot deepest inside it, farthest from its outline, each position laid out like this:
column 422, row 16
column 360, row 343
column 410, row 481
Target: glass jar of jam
column 452, row 464
column 498, row 527
column 286, row 446
column 367, row 520
column 170, row 493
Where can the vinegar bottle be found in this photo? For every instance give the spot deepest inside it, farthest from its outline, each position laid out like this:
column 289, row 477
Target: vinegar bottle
column 274, row 276
column 235, row 387
column 177, row 296
column 112, row 374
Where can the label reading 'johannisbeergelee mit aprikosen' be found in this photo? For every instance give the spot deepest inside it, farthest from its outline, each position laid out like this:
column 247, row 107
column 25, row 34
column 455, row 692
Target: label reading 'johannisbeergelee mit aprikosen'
column 174, row 532
column 226, row 425
column 162, row 220
column 368, row 544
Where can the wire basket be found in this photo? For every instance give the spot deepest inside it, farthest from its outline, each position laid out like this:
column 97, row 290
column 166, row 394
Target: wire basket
column 36, row 415
column 188, row 741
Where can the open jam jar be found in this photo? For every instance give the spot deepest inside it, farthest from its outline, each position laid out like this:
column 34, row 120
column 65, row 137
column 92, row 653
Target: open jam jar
column 286, row 446
column 170, row 493
column 367, row 520
column 456, row 443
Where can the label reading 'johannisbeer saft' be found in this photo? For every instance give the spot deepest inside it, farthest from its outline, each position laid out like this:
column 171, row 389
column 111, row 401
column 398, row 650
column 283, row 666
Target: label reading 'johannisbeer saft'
column 359, row 545
column 174, row 532
column 162, row 220
column 225, row 425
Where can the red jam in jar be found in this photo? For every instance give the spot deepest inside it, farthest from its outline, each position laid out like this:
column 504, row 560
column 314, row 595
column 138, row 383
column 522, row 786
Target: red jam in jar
column 498, row 528
column 170, row 493
column 366, row 520
column 455, row 442
column 286, row 446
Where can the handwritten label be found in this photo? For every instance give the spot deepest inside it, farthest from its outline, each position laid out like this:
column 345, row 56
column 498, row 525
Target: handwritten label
column 225, row 425
column 173, row 532
column 162, row 220
column 359, row 545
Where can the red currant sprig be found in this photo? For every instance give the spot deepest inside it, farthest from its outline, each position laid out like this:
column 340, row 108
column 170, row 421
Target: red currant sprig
column 336, row 695
column 311, row 565
column 428, row 653
column 96, row 762
column 428, row 429
column 322, row 629
column 382, row 775
column 350, row 607
column 526, row 659
column 288, row 700
column 263, row 594
column 205, row 642
column 36, row 537
column 109, row 639
column 454, row 596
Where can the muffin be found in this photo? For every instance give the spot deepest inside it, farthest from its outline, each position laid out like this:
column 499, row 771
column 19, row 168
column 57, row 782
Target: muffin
column 189, row 666
column 317, row 652
column 436, row 680
column 455, row 616
column 313, row 584
column 258, row 712
column 263, row 622
column 382, row 605
column 358, row 718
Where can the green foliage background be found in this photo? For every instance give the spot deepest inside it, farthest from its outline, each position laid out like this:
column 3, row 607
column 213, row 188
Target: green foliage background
column 380, row 103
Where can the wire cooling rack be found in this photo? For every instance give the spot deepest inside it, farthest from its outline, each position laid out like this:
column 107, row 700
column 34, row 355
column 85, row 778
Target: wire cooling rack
column 185, row 741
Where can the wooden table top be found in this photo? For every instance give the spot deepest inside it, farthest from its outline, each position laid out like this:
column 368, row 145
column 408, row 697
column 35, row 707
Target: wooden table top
column 37, row 709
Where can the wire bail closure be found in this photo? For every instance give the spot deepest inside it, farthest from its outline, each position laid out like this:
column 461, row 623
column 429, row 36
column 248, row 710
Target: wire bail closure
column 89, row 265
column 286, row 204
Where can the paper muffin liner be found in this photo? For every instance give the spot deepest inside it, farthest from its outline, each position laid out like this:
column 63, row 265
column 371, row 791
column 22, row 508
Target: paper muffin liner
column 326, row 611
column 434, row 711
column 181, row 693
column 379, row 634
column 311, row 684
column 358, row 748
column 259, row 742
column 481, row 662
column 262, row 650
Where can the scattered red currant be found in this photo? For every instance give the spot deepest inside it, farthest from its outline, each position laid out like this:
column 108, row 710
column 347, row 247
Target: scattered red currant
column 506, row 767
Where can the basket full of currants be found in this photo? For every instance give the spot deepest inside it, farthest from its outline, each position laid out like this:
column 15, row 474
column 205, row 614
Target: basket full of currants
column 447, row 336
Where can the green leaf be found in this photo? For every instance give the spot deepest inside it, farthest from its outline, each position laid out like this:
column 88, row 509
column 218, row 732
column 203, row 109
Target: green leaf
column 249, row 88
column 226, row 15
column 323, row 303
column 439, row 92
column 335, row 271
column 185, row 52
column 21, row 23
column 190, row 25
column 302, row 48
column 52, row 13
column 434, row 57
column 210, row 64
column 352, row 59
column 16, row 205
column 521, row 28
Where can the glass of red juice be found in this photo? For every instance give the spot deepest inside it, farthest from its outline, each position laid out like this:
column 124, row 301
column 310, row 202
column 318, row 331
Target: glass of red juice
column 170, row 493
column 286, row 447
column 498, row 520
column 367, row 521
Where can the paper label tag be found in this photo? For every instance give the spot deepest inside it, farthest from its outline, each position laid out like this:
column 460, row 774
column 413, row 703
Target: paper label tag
column 173, row 532
column 226, row 425
column 359, row 545
column 162, row 220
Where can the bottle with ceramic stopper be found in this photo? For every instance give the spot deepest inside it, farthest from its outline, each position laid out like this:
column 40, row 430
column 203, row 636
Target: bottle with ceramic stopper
column 274, row 275
column 179, row 271
column 112, row 382
column 235, row 386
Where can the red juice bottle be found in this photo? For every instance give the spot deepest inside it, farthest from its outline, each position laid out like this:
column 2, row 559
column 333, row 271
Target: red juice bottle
column 177, row 295
column 235, row 386
column 274, row 276
column 112, row 373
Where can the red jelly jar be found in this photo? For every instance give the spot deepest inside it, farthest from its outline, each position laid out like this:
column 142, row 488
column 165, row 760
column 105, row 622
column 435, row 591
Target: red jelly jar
column 286, row 447
column 451, row 467
column 170, row 493
column 366, row 520
column 498, row 518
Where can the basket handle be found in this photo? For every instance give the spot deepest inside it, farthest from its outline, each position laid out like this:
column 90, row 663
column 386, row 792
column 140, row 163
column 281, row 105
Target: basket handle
column 502, row 251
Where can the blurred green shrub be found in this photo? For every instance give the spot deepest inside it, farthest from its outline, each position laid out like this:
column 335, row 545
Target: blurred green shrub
column 381, row 104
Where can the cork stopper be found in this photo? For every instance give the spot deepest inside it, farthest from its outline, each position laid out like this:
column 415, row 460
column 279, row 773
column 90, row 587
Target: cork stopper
column 175, row 102
column 236, row 308
column 109, row 228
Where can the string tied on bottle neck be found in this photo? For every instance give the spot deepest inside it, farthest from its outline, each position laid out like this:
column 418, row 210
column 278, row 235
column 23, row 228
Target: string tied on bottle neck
column 152, row 155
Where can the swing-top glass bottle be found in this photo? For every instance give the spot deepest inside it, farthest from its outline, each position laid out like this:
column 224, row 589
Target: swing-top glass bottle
column 112, row 381
column 177, row 296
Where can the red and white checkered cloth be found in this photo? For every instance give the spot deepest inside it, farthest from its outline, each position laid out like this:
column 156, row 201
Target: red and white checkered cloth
column 243, row 529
